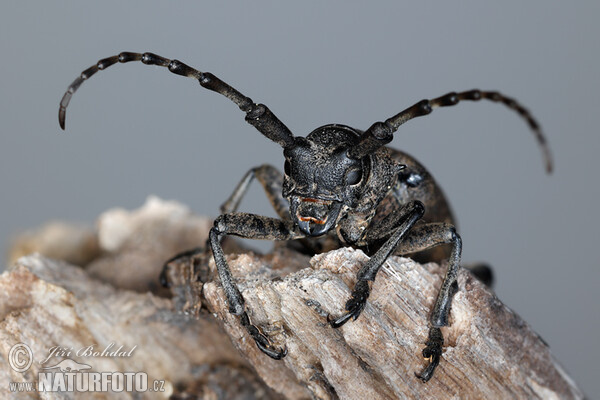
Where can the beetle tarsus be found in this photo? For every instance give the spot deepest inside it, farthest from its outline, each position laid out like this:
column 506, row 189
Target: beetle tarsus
column 354, row 305
column 433, row 352
column 275, row 354
column 262, row 342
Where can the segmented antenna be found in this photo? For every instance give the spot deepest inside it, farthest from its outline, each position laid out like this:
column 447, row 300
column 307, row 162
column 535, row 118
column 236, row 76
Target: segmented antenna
column 258, row 115
column 381, row 133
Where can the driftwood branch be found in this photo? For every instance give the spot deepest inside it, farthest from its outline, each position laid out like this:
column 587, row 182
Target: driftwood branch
column 188, row 338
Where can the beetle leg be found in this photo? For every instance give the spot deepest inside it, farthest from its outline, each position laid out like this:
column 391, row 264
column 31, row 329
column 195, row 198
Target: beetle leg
column 421, row 238
column 432, row 352
column 248, row 226
column 163, row 278
column 271, row 181
column 407, row 217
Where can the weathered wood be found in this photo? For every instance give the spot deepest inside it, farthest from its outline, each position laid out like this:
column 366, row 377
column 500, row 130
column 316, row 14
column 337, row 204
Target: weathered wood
column 490, row 352
column 75, row 244
column 45, row 303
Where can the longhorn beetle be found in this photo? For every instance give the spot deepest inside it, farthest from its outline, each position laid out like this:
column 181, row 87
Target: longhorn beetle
column 344, row 183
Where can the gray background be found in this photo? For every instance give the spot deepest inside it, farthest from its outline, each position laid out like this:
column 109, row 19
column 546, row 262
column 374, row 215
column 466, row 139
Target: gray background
column 135, row 130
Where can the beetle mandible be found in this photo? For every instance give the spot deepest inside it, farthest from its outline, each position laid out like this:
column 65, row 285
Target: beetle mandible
column 343, row 183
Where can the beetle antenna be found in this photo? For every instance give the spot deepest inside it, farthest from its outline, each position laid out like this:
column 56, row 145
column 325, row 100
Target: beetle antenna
column 381, row 133
column 257, row 115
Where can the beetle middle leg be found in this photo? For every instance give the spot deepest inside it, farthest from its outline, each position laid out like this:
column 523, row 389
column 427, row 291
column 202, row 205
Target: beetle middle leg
column 271, row 181
column 248, row 226
column 421, row 238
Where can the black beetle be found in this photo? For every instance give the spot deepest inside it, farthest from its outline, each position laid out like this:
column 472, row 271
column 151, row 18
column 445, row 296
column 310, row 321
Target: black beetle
column 342, row 184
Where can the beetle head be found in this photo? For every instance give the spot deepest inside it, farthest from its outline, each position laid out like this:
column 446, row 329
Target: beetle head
column 321, row 180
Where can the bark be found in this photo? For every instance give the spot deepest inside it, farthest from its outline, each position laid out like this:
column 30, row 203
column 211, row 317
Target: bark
column 189, row 339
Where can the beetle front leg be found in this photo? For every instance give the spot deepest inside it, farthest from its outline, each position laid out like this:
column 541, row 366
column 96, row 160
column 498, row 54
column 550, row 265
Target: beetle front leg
column 421, row 238
column 405, row 220
column 248, row 226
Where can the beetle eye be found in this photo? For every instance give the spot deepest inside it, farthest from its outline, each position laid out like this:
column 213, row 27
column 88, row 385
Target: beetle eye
column 353, row 176
column 287, row 167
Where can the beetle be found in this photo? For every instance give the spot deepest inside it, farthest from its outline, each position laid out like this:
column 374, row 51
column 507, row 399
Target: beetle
column 342, row 184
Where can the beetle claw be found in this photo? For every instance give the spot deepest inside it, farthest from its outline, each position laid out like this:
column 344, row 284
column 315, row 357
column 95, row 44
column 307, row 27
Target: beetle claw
column 432, row 352
column 265, row 346
column 336, row 323
column 262, row 341
column 354, row 306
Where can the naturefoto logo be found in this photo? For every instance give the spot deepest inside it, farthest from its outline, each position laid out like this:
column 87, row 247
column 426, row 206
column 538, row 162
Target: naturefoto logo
column 68, row 375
